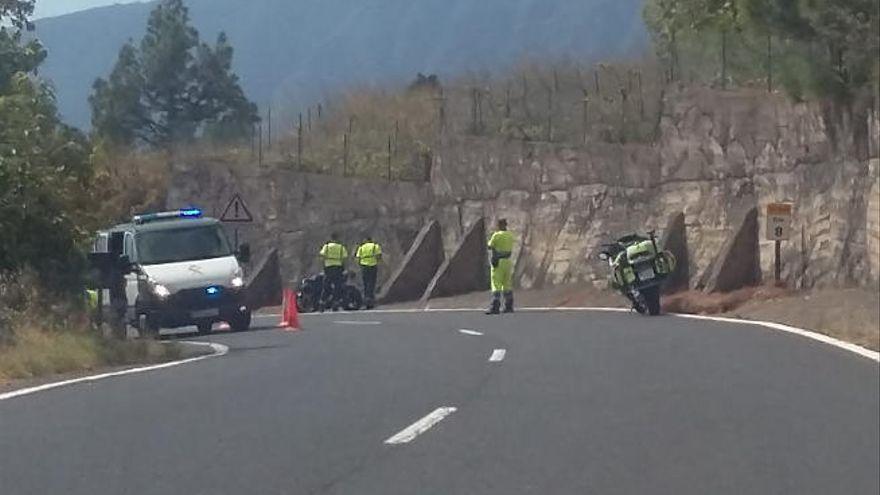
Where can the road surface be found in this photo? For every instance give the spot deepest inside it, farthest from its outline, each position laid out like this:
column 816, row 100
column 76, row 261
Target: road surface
column 459, row 403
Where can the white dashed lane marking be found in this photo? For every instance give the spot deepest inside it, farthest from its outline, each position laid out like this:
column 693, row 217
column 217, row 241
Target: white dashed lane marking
column 412, row 431
column 471, row 332
column 497, row 355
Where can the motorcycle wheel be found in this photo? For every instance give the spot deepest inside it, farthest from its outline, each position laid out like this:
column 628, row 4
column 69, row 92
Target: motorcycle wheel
column 638, row 301
column 652, row 300
column 353, row 300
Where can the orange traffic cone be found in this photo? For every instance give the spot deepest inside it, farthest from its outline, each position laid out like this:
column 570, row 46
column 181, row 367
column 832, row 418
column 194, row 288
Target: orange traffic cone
column 290, row 313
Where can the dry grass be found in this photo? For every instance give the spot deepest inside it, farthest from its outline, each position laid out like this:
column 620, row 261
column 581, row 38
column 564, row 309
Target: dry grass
column 129, row 183
column 38, row 353
column 700, row 303
column 43, row 334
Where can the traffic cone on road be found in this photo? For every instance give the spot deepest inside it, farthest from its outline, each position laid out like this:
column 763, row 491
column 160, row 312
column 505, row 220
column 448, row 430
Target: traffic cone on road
column 289, row 313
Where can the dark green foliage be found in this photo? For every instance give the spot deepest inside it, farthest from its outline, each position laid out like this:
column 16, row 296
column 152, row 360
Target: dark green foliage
column 44, row 166
column 17, row 13
column 820, row 48
column 172, row 88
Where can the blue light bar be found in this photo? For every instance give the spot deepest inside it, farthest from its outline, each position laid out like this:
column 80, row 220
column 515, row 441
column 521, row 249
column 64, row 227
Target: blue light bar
column 191, row 212
column 168, row 215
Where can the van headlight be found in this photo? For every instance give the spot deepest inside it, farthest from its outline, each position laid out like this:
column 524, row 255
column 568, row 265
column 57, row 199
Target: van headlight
column 237, row 283
column 161, row 291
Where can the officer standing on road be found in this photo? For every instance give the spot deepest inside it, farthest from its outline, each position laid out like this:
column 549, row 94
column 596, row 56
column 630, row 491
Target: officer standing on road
column 334, row 254
column 369, row 255
column 501, row 246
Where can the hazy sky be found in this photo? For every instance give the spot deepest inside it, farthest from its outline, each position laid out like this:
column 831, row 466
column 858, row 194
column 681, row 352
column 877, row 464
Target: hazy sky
column 49, row 8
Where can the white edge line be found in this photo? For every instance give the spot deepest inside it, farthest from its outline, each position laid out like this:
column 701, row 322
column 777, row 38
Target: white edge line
column 471, row 332
column 497, row 355
column 356, row 322
column 819, row 337
column 219, row 350
column 412, row 431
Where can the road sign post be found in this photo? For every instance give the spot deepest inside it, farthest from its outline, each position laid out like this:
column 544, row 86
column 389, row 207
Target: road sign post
column 778, row 230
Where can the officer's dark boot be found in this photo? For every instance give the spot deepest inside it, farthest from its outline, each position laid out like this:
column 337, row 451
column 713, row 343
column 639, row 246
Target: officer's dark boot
column 495, row 306
column 508, row 302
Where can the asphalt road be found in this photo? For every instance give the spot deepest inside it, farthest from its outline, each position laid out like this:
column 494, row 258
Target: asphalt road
column 577, row 403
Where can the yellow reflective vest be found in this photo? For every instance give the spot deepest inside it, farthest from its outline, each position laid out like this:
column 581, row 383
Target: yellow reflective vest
column 368, row 254
column 334, row 254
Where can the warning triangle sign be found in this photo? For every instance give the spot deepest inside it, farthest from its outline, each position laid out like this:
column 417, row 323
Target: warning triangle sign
column 237, row 211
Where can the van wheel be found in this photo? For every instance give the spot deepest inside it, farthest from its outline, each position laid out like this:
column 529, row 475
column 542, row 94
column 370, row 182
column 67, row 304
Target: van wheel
column 241, row 322
column 205, row 327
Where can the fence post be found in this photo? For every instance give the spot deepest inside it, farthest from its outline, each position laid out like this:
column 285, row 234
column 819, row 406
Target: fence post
column 253, row 140
column 724, row 59
column 299, row 142
column 769, row 63
column 641, row 96
column 474, row 110
column 624, row 96
column 586, row 121
column 507, row 102
column 345, row 155
column 396, row 136
column 441, row 111
column 596, row 89
column 389, row 158
column 310, row 119
column 269, row 124
column 260, row 161
column 480, row 110
column 550, row 114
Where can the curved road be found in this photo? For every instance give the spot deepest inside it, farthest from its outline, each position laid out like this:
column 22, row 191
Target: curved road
column 571, row 403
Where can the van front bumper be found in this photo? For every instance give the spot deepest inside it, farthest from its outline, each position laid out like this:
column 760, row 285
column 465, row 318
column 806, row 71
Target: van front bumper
column 194, row 307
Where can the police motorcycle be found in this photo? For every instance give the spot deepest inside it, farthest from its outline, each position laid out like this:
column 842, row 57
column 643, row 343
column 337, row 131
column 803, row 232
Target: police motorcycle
column 310, row 291
column 638, row 269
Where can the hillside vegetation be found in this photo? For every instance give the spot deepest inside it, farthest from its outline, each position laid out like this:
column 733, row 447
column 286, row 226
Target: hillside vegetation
column 301, row 50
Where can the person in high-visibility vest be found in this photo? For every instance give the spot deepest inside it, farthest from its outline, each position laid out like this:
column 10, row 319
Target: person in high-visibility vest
column 501, row 246
column 333, row 254
column 369, row 255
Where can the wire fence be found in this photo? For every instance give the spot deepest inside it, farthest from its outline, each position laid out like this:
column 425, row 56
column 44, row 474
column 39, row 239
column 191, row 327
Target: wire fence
column 393, row 134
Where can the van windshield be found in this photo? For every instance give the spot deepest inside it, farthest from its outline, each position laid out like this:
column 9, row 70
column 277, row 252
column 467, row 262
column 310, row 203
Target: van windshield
column 183, row 244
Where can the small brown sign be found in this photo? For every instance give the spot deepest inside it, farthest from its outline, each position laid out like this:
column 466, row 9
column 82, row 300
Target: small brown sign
column 779, row 221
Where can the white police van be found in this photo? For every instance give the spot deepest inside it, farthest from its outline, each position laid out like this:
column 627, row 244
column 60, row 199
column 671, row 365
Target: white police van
column 180, row 270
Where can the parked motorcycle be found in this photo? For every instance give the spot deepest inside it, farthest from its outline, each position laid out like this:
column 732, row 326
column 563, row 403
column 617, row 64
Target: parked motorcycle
column 308, row 296
column 638, row 270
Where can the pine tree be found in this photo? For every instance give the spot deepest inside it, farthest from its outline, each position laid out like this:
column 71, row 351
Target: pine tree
column 172, row 88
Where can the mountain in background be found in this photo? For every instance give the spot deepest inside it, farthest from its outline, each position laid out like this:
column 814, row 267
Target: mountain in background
column 295, row 52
